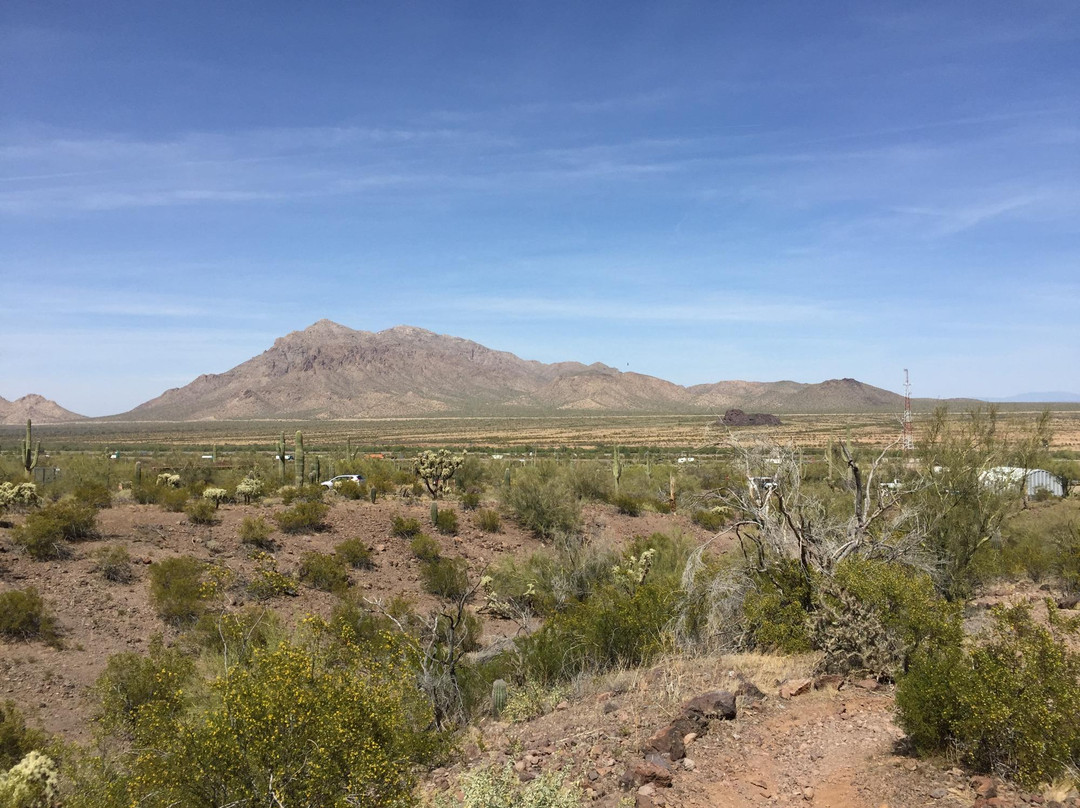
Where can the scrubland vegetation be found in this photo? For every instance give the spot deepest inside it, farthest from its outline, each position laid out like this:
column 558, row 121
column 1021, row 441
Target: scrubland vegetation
column 242, row 707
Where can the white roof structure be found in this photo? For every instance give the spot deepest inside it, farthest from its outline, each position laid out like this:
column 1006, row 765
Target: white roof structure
column 1032, row 480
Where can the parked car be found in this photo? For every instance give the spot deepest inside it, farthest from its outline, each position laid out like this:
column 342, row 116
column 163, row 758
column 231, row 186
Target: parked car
column 356, row 478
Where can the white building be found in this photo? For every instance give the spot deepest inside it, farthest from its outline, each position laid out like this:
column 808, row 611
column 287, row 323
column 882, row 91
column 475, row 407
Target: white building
column 1032, row 480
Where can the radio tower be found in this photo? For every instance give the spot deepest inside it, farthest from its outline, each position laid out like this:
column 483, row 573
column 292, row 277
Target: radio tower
column 907, row 441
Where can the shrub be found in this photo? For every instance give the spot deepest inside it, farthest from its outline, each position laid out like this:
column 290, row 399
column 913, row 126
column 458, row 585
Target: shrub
column 776, row 610
column 533, row 700
column 287, row 723
column 470, row 500
column 176, row 589
column 16, row 739
column 236, row 635
column 172, row 499
column 712, row 519
column 627, row 505
column 255, row 530
column 590, row 481
column 305, row 517
column 45, row 532
column 96, row 495
column 23, row 616
column 446, row 577
column 267, row 582
column 488, row 520
column 1007, row 705
column 324, row 571
column 350, row 489
column 446, row 522
column 356, row 554
column 502, row 788
column 405, row 527
column 312, row 492
column 544, row 505
column 425, row 548
column 201, row 512
column 114, row 563
column 132, row 682
column 145, row 494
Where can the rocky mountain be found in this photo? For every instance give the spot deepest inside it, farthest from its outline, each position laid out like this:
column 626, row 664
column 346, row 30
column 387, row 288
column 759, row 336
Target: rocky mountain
column 328, row 371
column 37, row 408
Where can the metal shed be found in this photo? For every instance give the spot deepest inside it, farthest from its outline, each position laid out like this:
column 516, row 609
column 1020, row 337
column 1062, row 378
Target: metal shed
column 1032, row 480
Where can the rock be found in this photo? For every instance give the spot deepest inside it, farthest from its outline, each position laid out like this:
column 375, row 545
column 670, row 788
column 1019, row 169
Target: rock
column 688, row 764
column 795, row 687
column 647, row 790
column 748, row 689
column 645, row 771
column 938, row 793
column 689, row 738
column 718, row 704
column 736, row 417
column 808, row 793
column 669, row 740
column 984, row 787
column 868, row 684
column 643, row 801
column 830, row 681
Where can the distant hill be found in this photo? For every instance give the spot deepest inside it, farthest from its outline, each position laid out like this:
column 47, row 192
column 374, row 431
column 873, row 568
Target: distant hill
column 329, row 371
column 37, row 408
column 1051, row 397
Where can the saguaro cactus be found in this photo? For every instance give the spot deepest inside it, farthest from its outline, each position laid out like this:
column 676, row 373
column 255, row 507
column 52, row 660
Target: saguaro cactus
column 616, row 468
column 138, row 472
column 316, row 468
column 299, row 458
column 434, row 513
column 498, row 697
column 30, row 457
column 281, row 457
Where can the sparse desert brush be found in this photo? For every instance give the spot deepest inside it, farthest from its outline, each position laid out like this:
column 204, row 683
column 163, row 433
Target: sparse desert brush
column 627, row 504
column 446, row 577
column 356, row 553
column 446, row 522
column 307, row 516
column 201, row 512
column 405, row 527
column 172, row 499
column 113, row 563
column 16, row 739
column 541, row 502
column 711, row 519
column 24, row 616
column 424, row 547
column 267, row 582
column 177, row 589
column 324, row 571
column 488, row 520
column 255, row 530
column 48, row 530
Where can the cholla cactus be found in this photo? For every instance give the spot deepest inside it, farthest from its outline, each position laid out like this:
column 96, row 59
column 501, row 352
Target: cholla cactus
column 17, row 494
column 216, row 495
column 33, row 782
column 249, row 488
column 170, row 480
column 633, row 573
column 437, row 468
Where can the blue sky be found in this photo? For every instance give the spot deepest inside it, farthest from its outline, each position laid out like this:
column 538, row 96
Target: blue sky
column 694, row 190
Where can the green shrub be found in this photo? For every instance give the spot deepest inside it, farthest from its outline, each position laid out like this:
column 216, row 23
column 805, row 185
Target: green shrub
column 405, row 527
column 96, row 495
column 172, row 499
column 16, row 739
column 712, row 519
column 544, row 505
column 145, row 494
column 255, row 530
column 614, row 628
column 590, row 482
column 235, row 636
column 201, row 512
column 267, row 582
column 488, row 520
column 46, row 531
column 446, row 522
column 533, row 700
column 470, row 500
column 627, row 505
column 113, row 563
column 177, row 589
column 446, row 577
column 350, row 489
column 425, row 548
column 1007, row 705
column 132, row 682
column 324, row 571
column 312, row 492
column 502, row 788
column 306, row 516
column 356, row 553
column 23, row 616
column 777, row 610
column 286, row 724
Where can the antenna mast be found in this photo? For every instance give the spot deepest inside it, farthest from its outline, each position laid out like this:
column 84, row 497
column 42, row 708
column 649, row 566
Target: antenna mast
column 907, row 441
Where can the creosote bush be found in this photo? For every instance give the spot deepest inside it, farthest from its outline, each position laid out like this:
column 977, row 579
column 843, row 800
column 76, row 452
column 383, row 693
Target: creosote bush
column 47, row 530
column 24, row 616
column 356, row 553
column 541, row 502
column 712, row 519
column 324, row 571
column 446, row 577
column 488, row 520
column 113, row 563
column 446, row 522
column 425, row 548
column 172, row 499
column 627, row 505
column 177, row 589
column 306, row 516
column 1008, row 704
column 405, row 527
column 255, row 530
column 201, row 512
